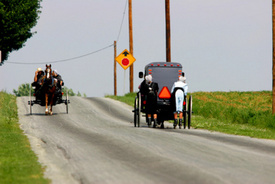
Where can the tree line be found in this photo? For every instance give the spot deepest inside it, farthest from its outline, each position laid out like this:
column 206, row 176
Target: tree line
column 24, row 90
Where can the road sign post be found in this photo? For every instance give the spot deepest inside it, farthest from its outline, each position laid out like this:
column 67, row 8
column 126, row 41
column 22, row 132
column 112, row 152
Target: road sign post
column 115, row 86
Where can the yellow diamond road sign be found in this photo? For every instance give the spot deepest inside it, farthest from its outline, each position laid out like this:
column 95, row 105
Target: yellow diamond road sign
column 125, row 59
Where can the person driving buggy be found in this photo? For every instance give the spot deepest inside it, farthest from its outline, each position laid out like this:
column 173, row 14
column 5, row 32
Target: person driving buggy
column 143, row 89
column 59, row 80
column 38, row 79
column 179, row 89
column 150, row 89
column 38, row 76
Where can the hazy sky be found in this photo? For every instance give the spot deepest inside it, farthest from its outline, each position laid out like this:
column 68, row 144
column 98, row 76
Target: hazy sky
column 223, row 45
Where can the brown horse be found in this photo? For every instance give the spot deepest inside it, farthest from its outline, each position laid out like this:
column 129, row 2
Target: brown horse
column 49, row 87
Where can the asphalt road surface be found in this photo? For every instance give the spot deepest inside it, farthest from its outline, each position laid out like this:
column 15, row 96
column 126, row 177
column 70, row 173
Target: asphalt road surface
column 98, row 143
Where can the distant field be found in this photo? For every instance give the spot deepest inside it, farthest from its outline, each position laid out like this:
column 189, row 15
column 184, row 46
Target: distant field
column 240, row 113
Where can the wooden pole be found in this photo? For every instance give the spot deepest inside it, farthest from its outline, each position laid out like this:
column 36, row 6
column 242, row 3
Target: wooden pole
column 131, row 74
column 115, row 85
column 273, row 70
column 168, row 36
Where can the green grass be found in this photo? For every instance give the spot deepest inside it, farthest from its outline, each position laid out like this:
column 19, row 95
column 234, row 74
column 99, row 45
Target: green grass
column 127, row 98
column 18, row 163
column 239, row 113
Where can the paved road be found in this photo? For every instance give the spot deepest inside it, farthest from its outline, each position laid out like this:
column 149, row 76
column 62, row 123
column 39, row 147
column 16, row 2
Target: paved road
column 97, row 143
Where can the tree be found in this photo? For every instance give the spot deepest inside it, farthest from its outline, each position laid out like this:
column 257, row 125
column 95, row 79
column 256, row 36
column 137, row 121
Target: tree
column 17, row 17
column 23, row 90
column 70, row 91
column 78, row 94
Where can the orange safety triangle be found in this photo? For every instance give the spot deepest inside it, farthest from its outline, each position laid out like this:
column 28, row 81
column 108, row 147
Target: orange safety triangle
column 165, row 93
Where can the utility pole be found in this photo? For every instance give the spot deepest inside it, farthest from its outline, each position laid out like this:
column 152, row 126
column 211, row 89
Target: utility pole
column 273, row 70
column 115, row 85
column 131, row 74
column 168, row 36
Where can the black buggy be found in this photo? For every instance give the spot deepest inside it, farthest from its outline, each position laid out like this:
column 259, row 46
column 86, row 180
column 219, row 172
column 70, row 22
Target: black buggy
column 38, row 97
column 165, row 74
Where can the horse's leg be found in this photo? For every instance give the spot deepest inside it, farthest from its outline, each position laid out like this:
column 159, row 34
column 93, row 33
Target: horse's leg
column 51, row 108
column 46, row 103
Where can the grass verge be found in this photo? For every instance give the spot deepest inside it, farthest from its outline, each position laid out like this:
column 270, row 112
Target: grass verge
column 18, row 163
column 238, row 113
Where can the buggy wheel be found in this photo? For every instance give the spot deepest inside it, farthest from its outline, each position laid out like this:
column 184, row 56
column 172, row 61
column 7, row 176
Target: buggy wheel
column 30, row 100
column 184, row 113
column 67, row 102
column 184, row 119
column 189, row 111
column 135, row 111
column 139, row 109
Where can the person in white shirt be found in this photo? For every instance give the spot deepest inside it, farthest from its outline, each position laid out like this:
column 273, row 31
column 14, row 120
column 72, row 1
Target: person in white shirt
column 179, row 89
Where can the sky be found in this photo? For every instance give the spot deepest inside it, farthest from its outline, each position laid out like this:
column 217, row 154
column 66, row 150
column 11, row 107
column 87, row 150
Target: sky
column 223, row 45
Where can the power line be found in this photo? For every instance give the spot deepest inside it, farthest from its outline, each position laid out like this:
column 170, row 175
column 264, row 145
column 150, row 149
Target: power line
column 77, row 57
column 122, row 21
column 65, row 60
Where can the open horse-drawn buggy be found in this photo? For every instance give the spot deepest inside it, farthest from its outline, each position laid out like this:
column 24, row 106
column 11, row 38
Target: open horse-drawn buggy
column 48, row 94
column 165, row 74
